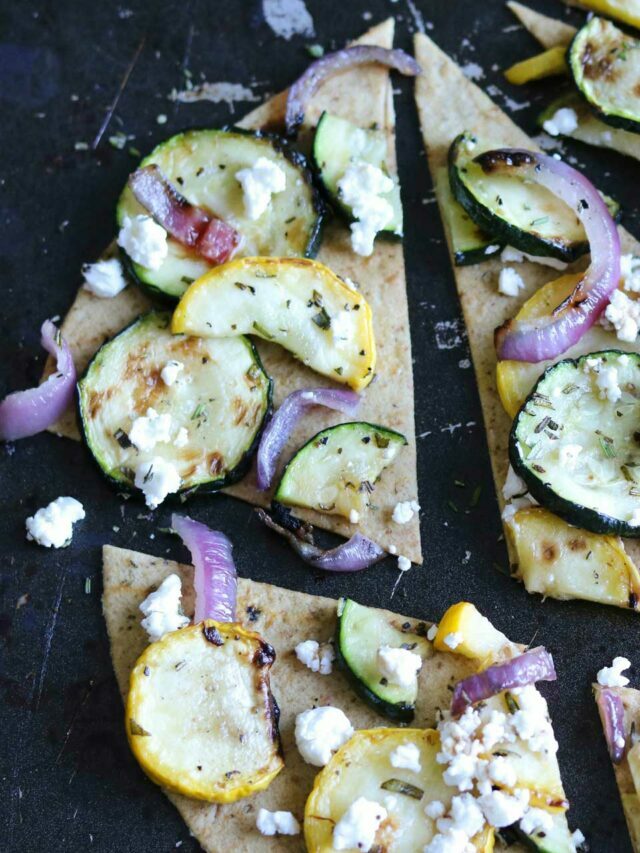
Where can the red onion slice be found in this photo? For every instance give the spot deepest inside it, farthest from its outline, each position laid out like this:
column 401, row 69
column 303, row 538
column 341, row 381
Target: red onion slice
column 362, row 54
column 352, row 556
column 285, row 418
column 532, row 666
column 611, row 711
column 190, row 225
column 25, row 413
column 550, row 336
column 215, row 579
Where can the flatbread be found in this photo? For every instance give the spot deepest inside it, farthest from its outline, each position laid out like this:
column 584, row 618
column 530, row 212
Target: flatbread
column 364, row 96
column 448, row 103
column 285, row 618
column 548, row 31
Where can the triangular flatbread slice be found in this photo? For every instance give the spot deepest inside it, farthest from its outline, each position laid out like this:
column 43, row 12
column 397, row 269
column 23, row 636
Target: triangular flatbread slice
column 448, row 104
column 548, row 31
column 364, row 96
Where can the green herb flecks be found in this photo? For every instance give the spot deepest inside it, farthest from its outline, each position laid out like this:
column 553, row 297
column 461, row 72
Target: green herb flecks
column 322, row 319
column 397, row 786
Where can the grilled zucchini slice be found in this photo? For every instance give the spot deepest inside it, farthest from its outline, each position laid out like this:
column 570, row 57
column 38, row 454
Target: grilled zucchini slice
column 625, row 11
column 221, row 398
column 360, row 633
column 517, row 212
column 362, row 768
column 200, row 717
column 203, row 164
column 605, row 63
column 590, row 405
column 337, row 144
column 336, row 471
column 557, row 560
column 300, row 304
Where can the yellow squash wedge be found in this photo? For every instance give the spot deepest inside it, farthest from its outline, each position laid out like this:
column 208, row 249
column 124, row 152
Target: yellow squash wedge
column 626, row 11
column 297, row 303
column 478, row 639
column 550, row 63
column 555, row 559
column 200, row 716
column 360, row 769
column 631, row 808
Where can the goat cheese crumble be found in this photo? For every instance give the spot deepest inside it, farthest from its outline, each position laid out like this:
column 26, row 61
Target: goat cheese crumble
column 362, row 188
column 453, row 640
column 318, row 658
column 406, row 756
column 562, row 122
column 509, row 255
column 161, row 609
column 104, row 278
column 622, row 315
column 144, row 241
column 320, row 732
column 404, row 511
column 259, row 182
column 404, row 563
column 510, row 283
column 277, row 823
column 515, row 494
column 399, row 666
column 149, row 430
column 630, row 273
column 52, row 525
column 611, row 676
column 156, row 479
column 170, row 372
column 356, row 829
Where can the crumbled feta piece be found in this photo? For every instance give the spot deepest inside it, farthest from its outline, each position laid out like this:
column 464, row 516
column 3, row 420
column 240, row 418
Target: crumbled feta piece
column 182, row 438
column 404, row 511
column 156, row 480
column 491, row 249
column 149, row 430
column 354, row 516
column 161, row 609
column 453, row 841
column 318, row 658
column 502, row 809
column 568, row 455
column 536, row 820
column 52, row 525
column 393, row 550
column 611, row 676
column 502, row 771
column 607, row 383
column 144, row 241
column 578, row 838
column 362, row 188
column 562, row 122
column 514, row 486
column 170, row 371
column 453, row 640
column 277, row 823
column 517, row 504
column 510, row 283
column 399, row 666
column 435, row 809
column 509, row 255
column 357, row 827
column 259, row 182
column 622, row 314
column 351, row 283
column 406, row 756
column 404, row 563
column 432, row 632
column 465, row 815
column 320, row 732
column 630, row 273
column 104, row 278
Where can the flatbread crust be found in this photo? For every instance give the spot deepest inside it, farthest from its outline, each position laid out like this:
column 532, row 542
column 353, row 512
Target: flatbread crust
column 548, row 31
column 364, row 96
column 448, row 103
column 285, row 618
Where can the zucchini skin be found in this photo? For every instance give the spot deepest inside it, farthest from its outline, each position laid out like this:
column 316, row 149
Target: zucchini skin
column 576, row 514
column 233, row 476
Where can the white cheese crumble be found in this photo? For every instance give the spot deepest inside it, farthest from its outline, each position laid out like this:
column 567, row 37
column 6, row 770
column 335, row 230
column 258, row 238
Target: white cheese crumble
column 182, row 438
column 361, row 188
column 156, row 480
column 320, row 732
column 354, row 516
column 318, row 658
column 149, row 430
column 399, row 666
column 515, row 493
column 465, row 816
column 406, row 756
column 356, row 829
column 453, row 640
column 622, row 315
column 259, row 182
column 404, row 563
column 562, row 122
column 536, row 820
column 502, row 809
column 52, row 525
column 170, row 372
column 568, row 455
column 515, row 256
column 144, row 241
column 434, row 810
column 404, row 511
column 510, row 283
column 432, row 633
column 104, row 278
column 277, row 823
column 607, row 383
column 161, row 609
column 611, row 676
column 630, row 273
column 578, row 838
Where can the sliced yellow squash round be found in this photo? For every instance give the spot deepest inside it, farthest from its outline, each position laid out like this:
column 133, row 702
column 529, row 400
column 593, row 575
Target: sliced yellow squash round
column 549, row 63
column 362, row 768
column 299, row 304
column 463, row 630
column 200, row 716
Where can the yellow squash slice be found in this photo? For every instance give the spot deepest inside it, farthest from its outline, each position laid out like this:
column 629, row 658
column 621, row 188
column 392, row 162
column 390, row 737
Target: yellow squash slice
column 550, row 63
column 362, row 768
column 555, row 559
column 200, row 716
column 475, row 636
column 299, row 304
column 626, row 11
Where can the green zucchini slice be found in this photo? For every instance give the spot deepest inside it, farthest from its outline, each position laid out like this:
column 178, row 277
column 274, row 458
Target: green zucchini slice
column 517, row 212
column 221, row 399
column 202, row 165
column 336, row 144
column 336, row 471
column 605, row 63
column 576, row 442
column 360, row 633
column 469, row 243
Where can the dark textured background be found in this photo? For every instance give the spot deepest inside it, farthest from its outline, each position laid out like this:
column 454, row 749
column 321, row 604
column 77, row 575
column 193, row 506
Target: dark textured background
column 68, row 780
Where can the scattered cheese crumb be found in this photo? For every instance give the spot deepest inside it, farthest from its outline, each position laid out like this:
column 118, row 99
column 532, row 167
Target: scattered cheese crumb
column 259, row 182
column 356, row 829
column 170, row 371
column 320, row 732
column 161, row 609
column 362, row 188
column 406, row 756
column 144, row 241
column 622, row 314
column 318, row 658
column 354, row 516
column 156, row 479
column 515, row 256
column 399, row 666
column 52, row 526
column 611, row 676
column 104, row 278
column 563, row 122
column 404, row 511
column 149, row 430
column 510, row 283
column 277, row 823
column 404, row 563
column 630, row 273
column 432, row 632
column 453, row 640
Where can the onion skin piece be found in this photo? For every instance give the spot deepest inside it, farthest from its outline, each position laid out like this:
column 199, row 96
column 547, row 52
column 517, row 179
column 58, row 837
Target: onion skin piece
column 215, row 579
column 285, row 418
column 611, row 711
column 534, row 665
column 331, row 63
column 29, row 412
column 353, row 555
column 548, row 337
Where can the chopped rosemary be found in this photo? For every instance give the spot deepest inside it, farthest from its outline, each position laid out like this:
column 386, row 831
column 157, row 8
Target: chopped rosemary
column 397, row 786
column 539, row 221
column 322, row 319
column 241, row 286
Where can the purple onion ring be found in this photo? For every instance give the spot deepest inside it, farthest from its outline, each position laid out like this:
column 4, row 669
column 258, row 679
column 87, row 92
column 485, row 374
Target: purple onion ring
column 611, row 711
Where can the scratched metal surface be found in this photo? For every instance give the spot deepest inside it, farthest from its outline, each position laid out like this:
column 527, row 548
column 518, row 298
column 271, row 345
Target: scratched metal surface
column 68, row 780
